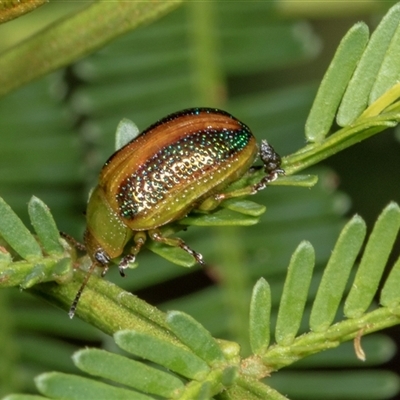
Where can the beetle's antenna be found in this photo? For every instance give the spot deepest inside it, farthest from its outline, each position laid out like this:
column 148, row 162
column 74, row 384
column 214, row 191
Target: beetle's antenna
column 72, row 310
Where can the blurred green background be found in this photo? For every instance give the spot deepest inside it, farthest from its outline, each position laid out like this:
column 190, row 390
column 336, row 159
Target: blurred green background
column 262, row 62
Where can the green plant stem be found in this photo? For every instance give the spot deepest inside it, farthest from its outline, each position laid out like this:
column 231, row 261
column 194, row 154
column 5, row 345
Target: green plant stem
column 280, row 356
column 214, row 381
column 26, row 273
column 259, row 389
column 346, row 137
column 107, row 307
column 382, row 102
column 76, row 36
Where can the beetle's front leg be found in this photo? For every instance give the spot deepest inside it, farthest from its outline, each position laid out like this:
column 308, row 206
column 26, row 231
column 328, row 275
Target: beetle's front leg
column 156, row 235
column 139, row 239
column 272, row 166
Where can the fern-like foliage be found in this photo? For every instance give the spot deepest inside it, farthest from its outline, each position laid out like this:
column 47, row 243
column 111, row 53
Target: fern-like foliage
column 48, row 261
column 188, row 363
column 360, row 90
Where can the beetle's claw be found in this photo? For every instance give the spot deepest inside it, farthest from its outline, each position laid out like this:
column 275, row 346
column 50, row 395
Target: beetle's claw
column 198, row 257
column 124, row 264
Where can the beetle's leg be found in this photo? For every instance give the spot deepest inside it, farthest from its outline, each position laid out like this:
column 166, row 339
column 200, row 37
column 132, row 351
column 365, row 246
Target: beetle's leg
column 272, row 166
column 104, row 271
column 271, row 161
column 80, row 246
column 124, row 263
column 156, row 235
column 139, row 240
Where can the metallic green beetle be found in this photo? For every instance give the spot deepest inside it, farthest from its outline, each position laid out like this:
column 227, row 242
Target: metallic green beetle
column 182, row 162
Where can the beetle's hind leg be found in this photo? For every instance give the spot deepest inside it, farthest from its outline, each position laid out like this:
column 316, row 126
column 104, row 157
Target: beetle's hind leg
column 156, row 235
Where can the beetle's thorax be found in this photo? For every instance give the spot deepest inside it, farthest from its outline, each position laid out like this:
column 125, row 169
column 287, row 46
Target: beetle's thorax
column 105, row 231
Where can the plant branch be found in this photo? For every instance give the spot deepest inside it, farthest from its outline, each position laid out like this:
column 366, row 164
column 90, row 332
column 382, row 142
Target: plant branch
column 107, row 307
column 346, row 137
column 314, row 342
column 73, row 37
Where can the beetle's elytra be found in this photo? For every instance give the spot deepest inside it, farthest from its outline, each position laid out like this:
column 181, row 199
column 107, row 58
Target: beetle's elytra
column 182, row 162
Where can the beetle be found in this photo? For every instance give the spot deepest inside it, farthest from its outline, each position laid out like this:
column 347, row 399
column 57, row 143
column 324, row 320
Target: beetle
column 182, row 162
